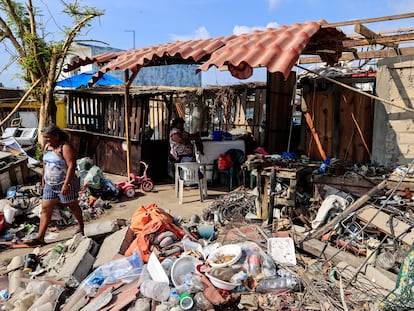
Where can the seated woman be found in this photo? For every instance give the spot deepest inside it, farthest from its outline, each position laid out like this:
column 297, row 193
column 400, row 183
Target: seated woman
column 181, row 147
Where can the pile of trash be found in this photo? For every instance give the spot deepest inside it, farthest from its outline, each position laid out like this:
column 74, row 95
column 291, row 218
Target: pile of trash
column 217, row 261
column 335, row 251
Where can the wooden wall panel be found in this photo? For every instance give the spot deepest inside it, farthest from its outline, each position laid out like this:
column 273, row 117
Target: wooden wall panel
column 279, row 111
column 355, row 111
column 332, row 111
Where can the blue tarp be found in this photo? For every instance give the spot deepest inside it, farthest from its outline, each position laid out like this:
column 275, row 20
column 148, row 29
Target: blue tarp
column 83, row 78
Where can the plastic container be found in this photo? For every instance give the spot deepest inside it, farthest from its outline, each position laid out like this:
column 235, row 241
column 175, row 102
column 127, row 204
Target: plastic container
column 158, row 291
column 182, row 269
column 221, row 283
column 275, row 284
column 30, row 262
column 225, row 255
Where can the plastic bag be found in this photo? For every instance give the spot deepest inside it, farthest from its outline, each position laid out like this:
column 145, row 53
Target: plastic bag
column 124, row 269
column 224, row 162
column 94, row 177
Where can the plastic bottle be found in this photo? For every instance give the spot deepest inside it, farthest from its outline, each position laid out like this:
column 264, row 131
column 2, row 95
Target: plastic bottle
column 167, row 264
column 4, row 294
column 254, row 263
column 186, row 301
column 275, row 284
column 158, row 291
column 201, row 302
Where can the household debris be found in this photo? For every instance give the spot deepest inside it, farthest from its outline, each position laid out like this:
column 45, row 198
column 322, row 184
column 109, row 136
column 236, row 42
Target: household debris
column 324, row 248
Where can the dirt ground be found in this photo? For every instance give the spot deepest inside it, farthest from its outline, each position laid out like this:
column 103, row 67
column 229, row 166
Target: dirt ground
column 163, row 195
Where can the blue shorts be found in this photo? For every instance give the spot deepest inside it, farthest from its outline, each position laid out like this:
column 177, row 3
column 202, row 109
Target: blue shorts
column 53, row 192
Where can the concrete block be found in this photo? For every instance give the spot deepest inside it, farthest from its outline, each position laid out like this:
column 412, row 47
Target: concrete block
column 116, row 243
column 103, row 227
column 78, row 264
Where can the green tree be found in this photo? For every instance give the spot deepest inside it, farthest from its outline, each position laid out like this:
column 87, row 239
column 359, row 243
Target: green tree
column 40, row 57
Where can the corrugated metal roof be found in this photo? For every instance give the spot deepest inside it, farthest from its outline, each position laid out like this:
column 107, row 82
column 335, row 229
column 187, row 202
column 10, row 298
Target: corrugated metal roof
column 277, row 49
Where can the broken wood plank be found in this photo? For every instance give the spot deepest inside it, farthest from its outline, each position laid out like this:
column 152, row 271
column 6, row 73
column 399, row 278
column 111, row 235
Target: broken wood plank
column 381, row 220
column 371, row 35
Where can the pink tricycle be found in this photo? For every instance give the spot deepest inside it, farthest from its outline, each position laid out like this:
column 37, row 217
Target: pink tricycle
column 144, row 182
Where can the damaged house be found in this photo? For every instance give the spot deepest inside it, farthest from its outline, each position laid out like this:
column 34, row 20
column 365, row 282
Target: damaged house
column 333, row 174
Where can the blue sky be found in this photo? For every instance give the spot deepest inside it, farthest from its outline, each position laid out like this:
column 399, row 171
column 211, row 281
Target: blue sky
column 159, row 21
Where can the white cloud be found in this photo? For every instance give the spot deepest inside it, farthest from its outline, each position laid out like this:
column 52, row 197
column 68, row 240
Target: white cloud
column 238, row 30
column 273, row 3
column 200, row 33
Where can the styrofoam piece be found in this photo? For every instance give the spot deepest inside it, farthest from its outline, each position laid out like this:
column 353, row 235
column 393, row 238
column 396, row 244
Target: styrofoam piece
column 156, row 271
column 282, row 250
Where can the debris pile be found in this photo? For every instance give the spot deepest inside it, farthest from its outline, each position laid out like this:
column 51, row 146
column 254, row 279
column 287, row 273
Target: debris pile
column 327, row 248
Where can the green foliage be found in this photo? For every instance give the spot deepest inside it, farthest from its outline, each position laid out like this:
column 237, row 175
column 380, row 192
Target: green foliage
column 24, row 33
column 38, row 152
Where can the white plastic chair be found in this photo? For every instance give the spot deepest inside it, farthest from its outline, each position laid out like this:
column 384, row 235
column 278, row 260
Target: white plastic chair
column 190, row 174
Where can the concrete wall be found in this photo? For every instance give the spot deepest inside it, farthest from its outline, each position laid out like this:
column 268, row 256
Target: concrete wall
column 393, row 137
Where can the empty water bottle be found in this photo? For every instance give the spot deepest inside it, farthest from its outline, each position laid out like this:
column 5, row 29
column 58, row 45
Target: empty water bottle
column 158, row 291
column 275, row 284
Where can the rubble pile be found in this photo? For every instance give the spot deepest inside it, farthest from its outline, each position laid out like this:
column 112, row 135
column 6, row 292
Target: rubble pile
column 336, row 249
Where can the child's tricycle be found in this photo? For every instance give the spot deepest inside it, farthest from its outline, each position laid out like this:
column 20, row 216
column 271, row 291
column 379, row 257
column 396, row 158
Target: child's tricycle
column 144, row 182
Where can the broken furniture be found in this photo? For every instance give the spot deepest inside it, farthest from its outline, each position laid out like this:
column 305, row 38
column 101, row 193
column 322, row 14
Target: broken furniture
column 13, row 171
column 282, row 184
column 190, row 173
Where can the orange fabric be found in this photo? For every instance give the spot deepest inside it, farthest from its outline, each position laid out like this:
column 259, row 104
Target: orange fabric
column 144, row 223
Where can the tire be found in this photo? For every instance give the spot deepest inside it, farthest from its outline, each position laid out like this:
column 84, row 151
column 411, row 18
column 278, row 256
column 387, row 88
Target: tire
column 147, row 185
column 130, row 193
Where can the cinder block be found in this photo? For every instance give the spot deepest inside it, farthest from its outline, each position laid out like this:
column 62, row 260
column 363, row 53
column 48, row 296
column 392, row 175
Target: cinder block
column 114, row 244
column 78, row 264
column 103, row 227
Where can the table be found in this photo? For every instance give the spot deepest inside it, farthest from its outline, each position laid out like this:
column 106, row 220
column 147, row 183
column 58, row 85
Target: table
column 212, row 150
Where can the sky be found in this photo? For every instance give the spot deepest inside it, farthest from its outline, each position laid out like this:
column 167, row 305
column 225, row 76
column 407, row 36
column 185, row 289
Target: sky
column 144, row 23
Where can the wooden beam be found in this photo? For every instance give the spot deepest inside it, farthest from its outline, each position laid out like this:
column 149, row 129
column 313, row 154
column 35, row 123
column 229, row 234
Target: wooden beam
column 369, row 20
column 371, row 35
column 383, row 40
column 399, row 229
column 361, row 55
column 385, row 32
